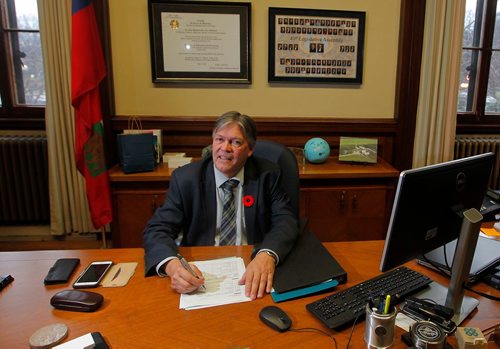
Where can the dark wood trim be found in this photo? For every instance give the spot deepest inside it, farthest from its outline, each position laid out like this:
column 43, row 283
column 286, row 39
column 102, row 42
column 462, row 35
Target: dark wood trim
column 477, row 120
column 475, row 128
column 21, row 123
column 482, row 77
column 107, row 88
column 14, row 116
column 408, row 80
column 267, row 124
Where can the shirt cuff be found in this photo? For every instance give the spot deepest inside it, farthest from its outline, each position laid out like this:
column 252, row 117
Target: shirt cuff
column 271, row 253
column 161, row 264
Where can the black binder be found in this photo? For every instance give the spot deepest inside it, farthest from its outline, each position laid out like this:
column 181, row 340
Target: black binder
column 308, row 263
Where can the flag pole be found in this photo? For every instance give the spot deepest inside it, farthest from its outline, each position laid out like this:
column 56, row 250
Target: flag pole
column 103, row 233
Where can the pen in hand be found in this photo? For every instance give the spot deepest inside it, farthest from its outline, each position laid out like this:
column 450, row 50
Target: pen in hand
column 186, row 266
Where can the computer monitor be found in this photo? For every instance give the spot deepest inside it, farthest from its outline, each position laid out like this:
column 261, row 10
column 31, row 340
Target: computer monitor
column 428, row 212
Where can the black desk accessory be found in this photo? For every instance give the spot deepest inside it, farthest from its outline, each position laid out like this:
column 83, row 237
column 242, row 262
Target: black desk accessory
column 492, row 278
column 77, row 300
column 425, row 334
column 491, row 205
column 61, row 271
column 275, row 318
column 422, row 310
column 5, row 280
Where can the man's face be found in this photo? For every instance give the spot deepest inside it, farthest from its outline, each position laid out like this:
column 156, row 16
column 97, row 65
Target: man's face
column 230, row 150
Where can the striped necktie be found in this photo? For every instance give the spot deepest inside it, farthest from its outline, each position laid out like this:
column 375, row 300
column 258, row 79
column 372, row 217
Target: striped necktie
column 228, row 220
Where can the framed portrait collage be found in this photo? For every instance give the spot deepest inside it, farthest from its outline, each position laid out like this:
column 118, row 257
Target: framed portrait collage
column 210, row 42
column 316, row 45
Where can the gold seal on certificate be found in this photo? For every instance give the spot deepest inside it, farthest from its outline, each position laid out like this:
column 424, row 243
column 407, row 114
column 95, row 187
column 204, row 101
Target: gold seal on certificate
column 174, row 24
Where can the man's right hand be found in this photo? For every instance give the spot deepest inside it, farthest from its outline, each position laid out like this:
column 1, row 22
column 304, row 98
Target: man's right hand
column 181, row 280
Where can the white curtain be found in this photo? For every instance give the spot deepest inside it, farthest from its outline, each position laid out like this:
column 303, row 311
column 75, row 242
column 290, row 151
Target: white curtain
column 439, row 79
column 68, row 200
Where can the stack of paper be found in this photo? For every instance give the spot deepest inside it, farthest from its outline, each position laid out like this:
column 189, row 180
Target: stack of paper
column 221, row 283
column 174, row 160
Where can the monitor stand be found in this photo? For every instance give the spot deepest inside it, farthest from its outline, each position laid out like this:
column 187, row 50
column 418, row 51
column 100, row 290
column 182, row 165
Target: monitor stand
column 453, row 296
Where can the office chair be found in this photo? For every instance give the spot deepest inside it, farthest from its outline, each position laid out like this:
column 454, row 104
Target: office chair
column 285, row 158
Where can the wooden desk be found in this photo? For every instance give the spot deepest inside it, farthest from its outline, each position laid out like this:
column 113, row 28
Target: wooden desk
column 146, row 314
column 342, row 201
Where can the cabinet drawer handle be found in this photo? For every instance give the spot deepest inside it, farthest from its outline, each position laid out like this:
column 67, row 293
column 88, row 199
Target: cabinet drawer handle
column 342, row 199
column 354, row 202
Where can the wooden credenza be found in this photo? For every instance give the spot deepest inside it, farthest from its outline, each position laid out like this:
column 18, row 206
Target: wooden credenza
column 342, row 201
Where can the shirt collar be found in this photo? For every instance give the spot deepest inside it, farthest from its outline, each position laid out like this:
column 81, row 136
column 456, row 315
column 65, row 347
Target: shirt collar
column 221, row 178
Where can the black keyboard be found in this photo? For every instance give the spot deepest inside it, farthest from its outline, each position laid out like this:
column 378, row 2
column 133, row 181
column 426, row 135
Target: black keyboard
column 343, row 307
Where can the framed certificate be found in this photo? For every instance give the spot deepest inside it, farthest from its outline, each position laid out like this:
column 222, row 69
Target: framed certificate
column 200, row 41
column 308, row 45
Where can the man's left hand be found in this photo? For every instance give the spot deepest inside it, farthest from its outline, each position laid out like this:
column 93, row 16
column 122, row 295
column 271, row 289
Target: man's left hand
column 258, row 278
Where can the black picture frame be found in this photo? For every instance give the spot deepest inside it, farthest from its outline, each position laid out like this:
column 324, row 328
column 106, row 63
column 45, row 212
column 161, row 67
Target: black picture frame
column 316, row 46
column 200, row 41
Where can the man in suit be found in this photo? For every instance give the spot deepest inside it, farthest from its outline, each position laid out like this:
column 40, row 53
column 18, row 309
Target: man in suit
column 195, row 208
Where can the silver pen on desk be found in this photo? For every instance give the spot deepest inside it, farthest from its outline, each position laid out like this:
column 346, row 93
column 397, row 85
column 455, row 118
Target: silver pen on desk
column 186, row 266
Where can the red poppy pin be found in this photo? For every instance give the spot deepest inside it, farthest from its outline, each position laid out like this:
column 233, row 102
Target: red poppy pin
column 248, row 200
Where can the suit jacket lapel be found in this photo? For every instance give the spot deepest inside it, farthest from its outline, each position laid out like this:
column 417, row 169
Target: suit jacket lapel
column 250, row 188
column 207, row 188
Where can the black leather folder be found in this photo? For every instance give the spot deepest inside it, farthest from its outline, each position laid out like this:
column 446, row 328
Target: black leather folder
column 308, row 263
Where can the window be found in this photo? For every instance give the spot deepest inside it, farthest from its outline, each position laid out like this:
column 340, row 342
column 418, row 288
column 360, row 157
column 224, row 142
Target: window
column 479, row 90
column 22, row 86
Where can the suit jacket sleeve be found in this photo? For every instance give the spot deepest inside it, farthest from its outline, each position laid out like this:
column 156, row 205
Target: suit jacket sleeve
column 163, row 228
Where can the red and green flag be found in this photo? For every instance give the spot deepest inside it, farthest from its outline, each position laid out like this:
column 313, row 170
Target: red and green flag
column 87, row 71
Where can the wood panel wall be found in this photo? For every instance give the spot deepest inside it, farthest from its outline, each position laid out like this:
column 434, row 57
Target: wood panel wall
column 191, row 134
column 395, row 137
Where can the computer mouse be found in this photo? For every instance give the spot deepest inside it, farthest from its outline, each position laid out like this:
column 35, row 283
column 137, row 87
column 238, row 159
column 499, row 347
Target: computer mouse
column 275, row 318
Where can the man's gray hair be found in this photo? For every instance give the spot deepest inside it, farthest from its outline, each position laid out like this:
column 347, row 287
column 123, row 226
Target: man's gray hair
column 245, row 122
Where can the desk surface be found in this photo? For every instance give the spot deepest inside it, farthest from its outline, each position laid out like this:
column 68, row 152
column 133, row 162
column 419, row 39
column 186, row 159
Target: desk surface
column 146, row 314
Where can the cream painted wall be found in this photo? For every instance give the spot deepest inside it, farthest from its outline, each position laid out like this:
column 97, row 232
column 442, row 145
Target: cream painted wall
column 135, row 94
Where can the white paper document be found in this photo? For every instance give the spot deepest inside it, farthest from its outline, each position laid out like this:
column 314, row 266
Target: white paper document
column 221, row 283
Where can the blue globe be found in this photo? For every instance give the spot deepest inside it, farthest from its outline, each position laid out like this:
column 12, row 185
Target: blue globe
column 316, row 150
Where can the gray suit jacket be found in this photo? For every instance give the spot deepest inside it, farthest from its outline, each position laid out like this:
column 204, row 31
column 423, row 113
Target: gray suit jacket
column 190, row 207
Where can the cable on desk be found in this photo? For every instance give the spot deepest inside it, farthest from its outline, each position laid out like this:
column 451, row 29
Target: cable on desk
column 485, row 295
column 352, row 331
column 316, row 330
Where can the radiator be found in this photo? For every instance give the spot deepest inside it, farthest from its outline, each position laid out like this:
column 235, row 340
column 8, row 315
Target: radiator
column 467, row 145
column 24, row 194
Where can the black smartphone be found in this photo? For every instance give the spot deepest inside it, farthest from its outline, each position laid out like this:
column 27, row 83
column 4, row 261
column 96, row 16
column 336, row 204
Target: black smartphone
column 93, row 274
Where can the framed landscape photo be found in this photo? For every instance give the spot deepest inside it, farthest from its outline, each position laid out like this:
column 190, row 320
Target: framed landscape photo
column 200, row 41
column 362, row 150
column 307, row 45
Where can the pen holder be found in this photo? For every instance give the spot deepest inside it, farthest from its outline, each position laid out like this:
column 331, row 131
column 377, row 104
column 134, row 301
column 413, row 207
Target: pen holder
column 379, row 330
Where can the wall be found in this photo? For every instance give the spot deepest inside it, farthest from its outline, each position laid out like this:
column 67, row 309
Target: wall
column 135, row 94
